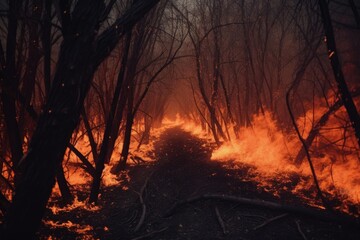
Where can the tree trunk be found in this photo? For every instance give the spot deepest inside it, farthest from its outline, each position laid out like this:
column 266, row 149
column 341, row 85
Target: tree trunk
column 127, row 138
column 10, row 85
column 64, row 187
column 104, row 151
column 119, row 104
column 145, row 137
column 93, row 144
column 79, row 57
column 32, row 63
column 4, row 203
column 355, row 12
column 339, row 76
column 46, row 42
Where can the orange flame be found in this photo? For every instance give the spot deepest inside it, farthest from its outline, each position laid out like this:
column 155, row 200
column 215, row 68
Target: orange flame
column 270, row 153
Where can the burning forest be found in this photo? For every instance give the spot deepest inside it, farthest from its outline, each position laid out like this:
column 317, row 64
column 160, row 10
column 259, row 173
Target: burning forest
column 179, row 119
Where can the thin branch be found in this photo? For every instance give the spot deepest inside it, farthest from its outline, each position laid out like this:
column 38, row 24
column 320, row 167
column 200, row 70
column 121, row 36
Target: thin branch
column 220, row 221
column 88, row 166
column 270, row 221
column 109, row 38
column 299, row 230
column 150, row 234
column 143, row 206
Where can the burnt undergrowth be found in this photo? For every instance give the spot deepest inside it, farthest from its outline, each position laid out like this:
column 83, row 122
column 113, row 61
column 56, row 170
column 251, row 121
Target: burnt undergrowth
column 184, row 195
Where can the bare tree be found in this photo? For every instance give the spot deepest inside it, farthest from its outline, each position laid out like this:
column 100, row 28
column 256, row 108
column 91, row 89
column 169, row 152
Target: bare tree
column 80, row 54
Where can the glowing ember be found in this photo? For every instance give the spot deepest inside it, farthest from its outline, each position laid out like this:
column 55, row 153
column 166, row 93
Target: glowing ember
column 75, row 205
column 110, row 179
column 78, row 228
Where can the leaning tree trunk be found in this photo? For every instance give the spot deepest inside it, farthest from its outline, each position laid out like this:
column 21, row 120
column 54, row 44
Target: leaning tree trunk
column 338, row 73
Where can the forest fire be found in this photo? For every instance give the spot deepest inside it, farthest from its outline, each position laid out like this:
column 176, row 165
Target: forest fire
column 263, row 148
column 135, row 119
column 270, row 153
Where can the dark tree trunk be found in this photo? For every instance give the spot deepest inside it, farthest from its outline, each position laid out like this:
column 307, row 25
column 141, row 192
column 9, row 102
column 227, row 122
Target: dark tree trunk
column 120, row 103
column 4, row 203
column 93, row 144
column 104, row 151
column 64, row 187
column 79, row 57
column 127, row 137
column 32, row 63
column 10, row 85
column 355, row 12
column 145, row 137
column 55, row 126
column 46, row 43
column 338, row 73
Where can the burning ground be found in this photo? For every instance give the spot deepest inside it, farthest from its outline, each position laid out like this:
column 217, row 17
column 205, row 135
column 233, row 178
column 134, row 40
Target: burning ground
column 195, row 190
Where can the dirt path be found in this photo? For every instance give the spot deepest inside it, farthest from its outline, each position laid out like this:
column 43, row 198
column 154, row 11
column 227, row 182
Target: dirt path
column 184, row 170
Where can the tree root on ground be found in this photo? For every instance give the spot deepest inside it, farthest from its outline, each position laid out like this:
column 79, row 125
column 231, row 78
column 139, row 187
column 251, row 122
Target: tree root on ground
column 298, row 210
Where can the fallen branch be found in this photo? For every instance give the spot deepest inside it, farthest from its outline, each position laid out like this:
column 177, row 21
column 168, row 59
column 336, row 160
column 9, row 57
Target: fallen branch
column 150, row 234
column 253, row 215
column 304, row 211
column 299, row 230
column 143, row 206
column 270, row 221
column 220, row 221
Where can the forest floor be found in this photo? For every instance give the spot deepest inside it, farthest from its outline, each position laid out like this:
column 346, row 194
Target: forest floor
column 185, row 195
